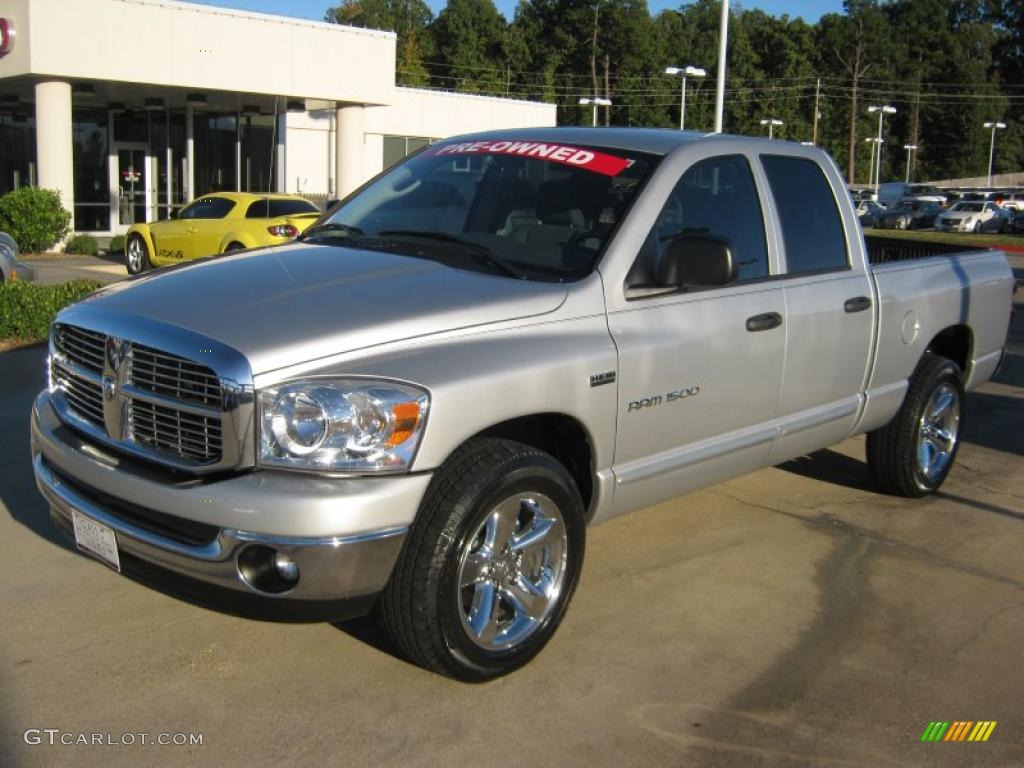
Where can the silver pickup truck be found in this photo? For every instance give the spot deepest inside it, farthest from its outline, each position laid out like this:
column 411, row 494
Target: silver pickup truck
column 421, row 405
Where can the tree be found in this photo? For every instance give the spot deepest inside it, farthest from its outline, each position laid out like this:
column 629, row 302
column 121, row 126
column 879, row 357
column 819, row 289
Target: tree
column 409, row 19
column 470, row 39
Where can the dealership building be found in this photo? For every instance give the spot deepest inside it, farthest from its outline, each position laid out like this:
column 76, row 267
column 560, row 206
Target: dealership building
column 131, row 107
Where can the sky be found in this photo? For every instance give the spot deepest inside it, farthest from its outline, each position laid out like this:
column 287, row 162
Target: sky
column 810, row 10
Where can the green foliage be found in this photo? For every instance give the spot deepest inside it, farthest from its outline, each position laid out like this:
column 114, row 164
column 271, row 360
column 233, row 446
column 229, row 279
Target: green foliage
column 28, row 309
column 34, row 217
column 116, row 244
column 84, row 245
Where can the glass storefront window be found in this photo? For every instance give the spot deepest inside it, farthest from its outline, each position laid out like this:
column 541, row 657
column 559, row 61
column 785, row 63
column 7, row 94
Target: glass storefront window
column 167, row 146
column 91, row 163
column 214, row 141
column 18, row 158
column 257, row 136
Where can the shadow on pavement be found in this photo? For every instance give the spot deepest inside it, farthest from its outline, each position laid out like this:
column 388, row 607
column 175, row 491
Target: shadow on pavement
column 832, row 467
column 22, row 375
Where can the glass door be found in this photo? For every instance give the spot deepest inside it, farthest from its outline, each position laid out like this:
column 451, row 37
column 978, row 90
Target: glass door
column 132, row 185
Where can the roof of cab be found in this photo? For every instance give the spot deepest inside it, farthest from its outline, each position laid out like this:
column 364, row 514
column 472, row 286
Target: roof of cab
column 248, row 197
column 656, row 141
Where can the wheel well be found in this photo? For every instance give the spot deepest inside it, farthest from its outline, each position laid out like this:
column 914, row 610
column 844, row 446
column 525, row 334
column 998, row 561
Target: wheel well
column 560, row 435
column 955, row 343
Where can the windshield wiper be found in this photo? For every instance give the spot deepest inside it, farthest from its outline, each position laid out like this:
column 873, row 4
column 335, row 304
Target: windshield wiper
column 482, row 251
column 331, row 229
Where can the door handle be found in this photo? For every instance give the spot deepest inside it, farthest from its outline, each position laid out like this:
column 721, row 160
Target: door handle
column 764, row 322
column 857, row 304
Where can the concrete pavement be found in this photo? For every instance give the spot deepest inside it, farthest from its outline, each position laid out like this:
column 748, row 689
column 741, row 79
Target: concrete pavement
column 60, row 270
column 793, row 617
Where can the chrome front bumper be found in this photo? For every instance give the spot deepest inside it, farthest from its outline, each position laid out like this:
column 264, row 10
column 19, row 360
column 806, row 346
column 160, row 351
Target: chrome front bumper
column 339, row 553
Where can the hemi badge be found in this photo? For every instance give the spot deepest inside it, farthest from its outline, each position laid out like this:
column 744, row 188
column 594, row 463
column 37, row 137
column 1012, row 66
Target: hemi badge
column 597, row 379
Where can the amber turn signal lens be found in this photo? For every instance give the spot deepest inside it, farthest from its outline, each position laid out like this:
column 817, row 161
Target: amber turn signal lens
column 406, row 418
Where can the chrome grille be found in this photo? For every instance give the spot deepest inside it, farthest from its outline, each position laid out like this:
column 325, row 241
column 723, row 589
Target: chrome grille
column 170, row 430
column 174, row 405
column 82, row 347
column 174, row 377
column 84, row 396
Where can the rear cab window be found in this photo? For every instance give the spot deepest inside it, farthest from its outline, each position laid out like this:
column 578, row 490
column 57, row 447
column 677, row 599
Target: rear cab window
column 812, row 230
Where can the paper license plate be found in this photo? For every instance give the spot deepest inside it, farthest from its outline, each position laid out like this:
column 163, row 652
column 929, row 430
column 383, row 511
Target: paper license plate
column 96, row 539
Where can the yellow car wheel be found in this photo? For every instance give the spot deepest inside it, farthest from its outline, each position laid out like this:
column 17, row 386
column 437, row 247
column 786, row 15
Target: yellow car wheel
column 136, row 255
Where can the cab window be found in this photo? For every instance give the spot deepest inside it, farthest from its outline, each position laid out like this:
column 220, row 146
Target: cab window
column 812, row 231
column 208, row 208
column 715, row 197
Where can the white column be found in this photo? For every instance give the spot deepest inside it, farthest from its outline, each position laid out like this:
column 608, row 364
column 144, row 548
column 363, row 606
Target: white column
column 190, row 160
column 348, row 158
column 53, row 141
column 280, row 166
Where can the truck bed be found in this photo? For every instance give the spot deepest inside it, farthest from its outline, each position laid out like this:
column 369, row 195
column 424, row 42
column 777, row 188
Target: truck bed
column 885, row 250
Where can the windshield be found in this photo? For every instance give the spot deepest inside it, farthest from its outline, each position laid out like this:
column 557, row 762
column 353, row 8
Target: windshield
column 535, row 210
column 969, row 207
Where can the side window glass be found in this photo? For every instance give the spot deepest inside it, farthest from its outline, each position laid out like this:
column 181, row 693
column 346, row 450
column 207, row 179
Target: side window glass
column 812, row 230
column 208, row 208
column 715, row 197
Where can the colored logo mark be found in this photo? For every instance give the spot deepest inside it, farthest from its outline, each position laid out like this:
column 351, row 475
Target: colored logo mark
column 959, row 730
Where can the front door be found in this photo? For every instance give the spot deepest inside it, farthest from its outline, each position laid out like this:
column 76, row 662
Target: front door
column 131, row 185
column 699, row 370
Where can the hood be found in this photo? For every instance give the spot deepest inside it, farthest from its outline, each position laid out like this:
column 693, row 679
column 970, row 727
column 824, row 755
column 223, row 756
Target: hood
column 300, row 302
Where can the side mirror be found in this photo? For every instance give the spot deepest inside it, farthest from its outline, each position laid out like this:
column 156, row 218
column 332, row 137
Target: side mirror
column 698, row 261
column 172, row 213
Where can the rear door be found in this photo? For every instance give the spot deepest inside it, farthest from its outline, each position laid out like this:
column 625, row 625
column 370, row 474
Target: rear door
column 209, row 226
column 699, row 371
column 829, row 314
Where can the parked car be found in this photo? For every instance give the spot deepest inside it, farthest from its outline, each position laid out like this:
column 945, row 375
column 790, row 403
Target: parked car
column 892, row 192
column 1018, row 223
column 909, row 214
column 10, row 267
column 1013, row 201
column 424, row 402
column 215, row 223
column 868, row 212
column 968, row 216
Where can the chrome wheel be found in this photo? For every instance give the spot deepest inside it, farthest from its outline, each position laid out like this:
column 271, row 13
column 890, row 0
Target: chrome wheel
column 937, row 431
column 136, row 254
column 512, row 571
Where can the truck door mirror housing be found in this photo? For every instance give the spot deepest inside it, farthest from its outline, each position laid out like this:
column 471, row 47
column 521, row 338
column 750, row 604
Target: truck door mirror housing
column 698, row 261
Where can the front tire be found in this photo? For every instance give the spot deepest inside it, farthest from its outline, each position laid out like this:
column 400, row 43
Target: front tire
column 491, row 563
column 136, row 255
column 913, row 454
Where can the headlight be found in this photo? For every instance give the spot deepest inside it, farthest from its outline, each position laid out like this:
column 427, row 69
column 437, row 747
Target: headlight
column 341, row 425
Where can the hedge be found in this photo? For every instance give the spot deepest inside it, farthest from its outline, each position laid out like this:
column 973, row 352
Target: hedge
column 34, row 217
column 116, row 245
column 27, row 309
column 84, row 245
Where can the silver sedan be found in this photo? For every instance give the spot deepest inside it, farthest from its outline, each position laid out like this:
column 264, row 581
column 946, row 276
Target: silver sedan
column 10, row 267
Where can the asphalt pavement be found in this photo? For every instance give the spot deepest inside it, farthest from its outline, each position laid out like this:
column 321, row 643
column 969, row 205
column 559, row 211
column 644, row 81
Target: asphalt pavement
column 792, row 617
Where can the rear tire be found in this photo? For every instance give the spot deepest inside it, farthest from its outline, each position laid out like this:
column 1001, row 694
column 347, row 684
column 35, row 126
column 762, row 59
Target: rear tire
column 913, row 454
column 136, row 255
column 490, row 564
column 234, row 247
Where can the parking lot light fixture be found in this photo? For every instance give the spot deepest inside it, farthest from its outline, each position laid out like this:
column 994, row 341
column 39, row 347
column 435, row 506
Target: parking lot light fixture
column 684, row 72
column 882, row 111
column 771, row 122
column 596, row 102
column 992, row 147
column 910, row 148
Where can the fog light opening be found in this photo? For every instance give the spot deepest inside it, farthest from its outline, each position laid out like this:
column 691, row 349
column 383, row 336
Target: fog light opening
column 265, row 569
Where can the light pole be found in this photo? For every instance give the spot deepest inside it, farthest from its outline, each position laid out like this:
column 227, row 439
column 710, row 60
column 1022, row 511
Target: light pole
column 910, row 148
column 771, row 122
column 723, row 45
column 992, row 147
column 596, row 101
column 882, row 111
column 875, row 143
column 684, row 72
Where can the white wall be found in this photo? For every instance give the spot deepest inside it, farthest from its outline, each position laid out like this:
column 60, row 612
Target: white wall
column 161, row 42
column 415, row 112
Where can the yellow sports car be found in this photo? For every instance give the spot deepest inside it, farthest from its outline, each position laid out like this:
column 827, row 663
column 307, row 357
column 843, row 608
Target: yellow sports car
column 214, row 223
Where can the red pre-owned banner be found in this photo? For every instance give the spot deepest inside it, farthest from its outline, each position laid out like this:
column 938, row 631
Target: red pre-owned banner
column 598, row 162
